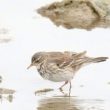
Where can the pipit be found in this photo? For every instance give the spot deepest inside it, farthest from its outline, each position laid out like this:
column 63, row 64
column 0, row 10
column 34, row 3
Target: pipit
column 61, row 66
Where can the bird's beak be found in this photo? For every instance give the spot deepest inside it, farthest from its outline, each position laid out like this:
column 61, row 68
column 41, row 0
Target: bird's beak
column 30, row 66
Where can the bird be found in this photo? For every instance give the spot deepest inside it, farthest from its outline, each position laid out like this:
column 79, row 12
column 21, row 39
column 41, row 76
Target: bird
column 61, row 66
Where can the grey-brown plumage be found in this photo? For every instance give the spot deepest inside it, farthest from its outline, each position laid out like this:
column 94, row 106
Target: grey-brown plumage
column 61, row 66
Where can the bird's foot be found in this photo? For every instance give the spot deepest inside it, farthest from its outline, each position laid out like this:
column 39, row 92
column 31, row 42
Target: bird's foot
column 61, row 90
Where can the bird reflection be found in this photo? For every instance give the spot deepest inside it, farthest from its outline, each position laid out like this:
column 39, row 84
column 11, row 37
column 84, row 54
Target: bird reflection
column 55, row 103
column 70, row 103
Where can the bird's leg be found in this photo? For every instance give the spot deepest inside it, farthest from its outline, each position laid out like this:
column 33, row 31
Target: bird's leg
column 70, row 88
column 66, row 82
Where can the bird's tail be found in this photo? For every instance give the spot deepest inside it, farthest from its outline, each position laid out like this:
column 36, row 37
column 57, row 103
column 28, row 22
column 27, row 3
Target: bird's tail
column 98, row 59
column 87, row 60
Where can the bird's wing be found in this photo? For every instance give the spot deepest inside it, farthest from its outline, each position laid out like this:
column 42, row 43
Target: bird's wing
column 73, row 58
column 66, row 59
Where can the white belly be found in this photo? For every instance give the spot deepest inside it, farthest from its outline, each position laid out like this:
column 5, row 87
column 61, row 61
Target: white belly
column 54, row 73
column 58, row 75
column 62, row 76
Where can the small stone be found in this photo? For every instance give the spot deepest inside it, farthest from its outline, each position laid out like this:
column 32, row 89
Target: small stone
column 43, row 90
column 6, row 91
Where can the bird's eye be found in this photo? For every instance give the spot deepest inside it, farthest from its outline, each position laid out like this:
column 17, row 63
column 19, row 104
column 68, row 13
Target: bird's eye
column 33, row 59
column 37, row 61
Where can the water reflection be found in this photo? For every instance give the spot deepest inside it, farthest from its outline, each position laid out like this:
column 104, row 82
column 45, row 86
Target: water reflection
column 7, row 97
column 6, row 93
column 70, row 103
column 64, row 103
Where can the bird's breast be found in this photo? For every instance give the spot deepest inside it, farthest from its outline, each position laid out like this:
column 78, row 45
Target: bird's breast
column 53, row 73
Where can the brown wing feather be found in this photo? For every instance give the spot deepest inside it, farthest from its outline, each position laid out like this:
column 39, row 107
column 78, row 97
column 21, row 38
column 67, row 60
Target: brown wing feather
column 71, row 60
column 66, row 58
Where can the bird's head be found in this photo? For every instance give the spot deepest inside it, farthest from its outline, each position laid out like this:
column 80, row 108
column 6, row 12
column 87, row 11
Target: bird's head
column 37, row 59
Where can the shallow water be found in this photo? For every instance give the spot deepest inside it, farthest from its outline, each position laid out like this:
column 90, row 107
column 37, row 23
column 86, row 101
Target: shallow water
column 56, row 101
column 70, row 103
column 52, row 100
